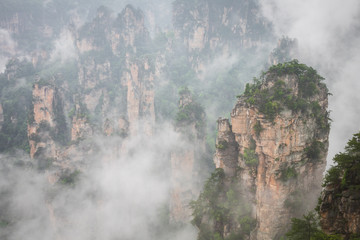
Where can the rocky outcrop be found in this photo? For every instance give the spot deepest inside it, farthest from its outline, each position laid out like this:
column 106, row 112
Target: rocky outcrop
column 186, row 158
column 129, row 32
column 117, row 79
column 218, row 26
column 340, row 211
column 227, row 153
column 47, row 125
column 209, row 29
column 339, row 204
column 278, row 151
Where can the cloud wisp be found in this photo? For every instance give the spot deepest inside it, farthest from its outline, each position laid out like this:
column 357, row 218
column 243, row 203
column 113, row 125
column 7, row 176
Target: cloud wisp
column 117, row 196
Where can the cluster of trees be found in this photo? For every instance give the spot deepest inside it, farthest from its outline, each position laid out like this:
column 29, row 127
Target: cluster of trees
column 343, row 175
column 220, row 204
column 271, row 101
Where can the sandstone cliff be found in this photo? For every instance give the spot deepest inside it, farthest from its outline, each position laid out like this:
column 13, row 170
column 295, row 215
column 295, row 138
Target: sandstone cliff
column 47, row 129
column 212, row 28
column 114, row 71
column 219, row 26
column 187, row 158
column 107, row 91
column 274, row 151
column 340, row 211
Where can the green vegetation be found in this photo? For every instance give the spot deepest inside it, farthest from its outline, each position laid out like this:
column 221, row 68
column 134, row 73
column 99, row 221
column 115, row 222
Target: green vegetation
column 308, row 79
column 345, row 173
column 344, row 176
column 271, row 101
column 250, row 157
column 222, row 145
column 69, row 178
column 190, row 112
column 258, row 128
column 308, row 229
column 313, row 151
column 220, row 205
column 287, row 172
column 16, row 100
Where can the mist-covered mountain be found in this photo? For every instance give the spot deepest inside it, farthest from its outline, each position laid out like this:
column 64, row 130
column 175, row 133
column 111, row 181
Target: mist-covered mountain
column 112, row 119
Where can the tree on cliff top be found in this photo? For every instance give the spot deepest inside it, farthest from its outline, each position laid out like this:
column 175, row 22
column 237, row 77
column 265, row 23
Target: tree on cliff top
column 346, row 171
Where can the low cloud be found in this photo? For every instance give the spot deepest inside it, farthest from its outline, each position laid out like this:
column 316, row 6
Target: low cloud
column 7, row 48
column 117, row 196
column 64, row 48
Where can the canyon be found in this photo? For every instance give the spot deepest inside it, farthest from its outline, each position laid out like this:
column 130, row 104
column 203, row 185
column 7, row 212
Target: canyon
column 242, row 177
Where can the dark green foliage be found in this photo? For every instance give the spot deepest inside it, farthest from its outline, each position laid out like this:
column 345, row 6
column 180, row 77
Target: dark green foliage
column 346, row 171
column 250, row 157
column 191, row 112
column 207, row 202
column 222, row 145
column 304, row 229
column 220, row 204
column 313, row 152
column 16, row 100
column 308, row 79
column 287, row 173
column 247, row 224
column 308, row 229
column 258, row 128
column 69, row 178
column 271, row 101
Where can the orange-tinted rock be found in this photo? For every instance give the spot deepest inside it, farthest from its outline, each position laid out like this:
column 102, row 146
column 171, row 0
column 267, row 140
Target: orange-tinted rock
column 280, row 146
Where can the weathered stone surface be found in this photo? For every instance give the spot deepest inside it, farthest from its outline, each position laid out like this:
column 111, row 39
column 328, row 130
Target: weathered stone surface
column 185, row 165
column 39, row 139
column 340, row 211
column 280, row 147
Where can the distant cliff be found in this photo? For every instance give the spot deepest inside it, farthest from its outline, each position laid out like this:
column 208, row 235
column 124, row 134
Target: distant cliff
column 272, row 155
column 188, row 160
column 211, row 28
column 109, row 91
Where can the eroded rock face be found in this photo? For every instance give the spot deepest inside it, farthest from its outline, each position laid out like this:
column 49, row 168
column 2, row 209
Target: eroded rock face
column 210, row 29
column 340, row 211
column 112, row 95
column 41, row 130
column 280, row 174
column 185, row 160
column 217, row 25
column 118, row 86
